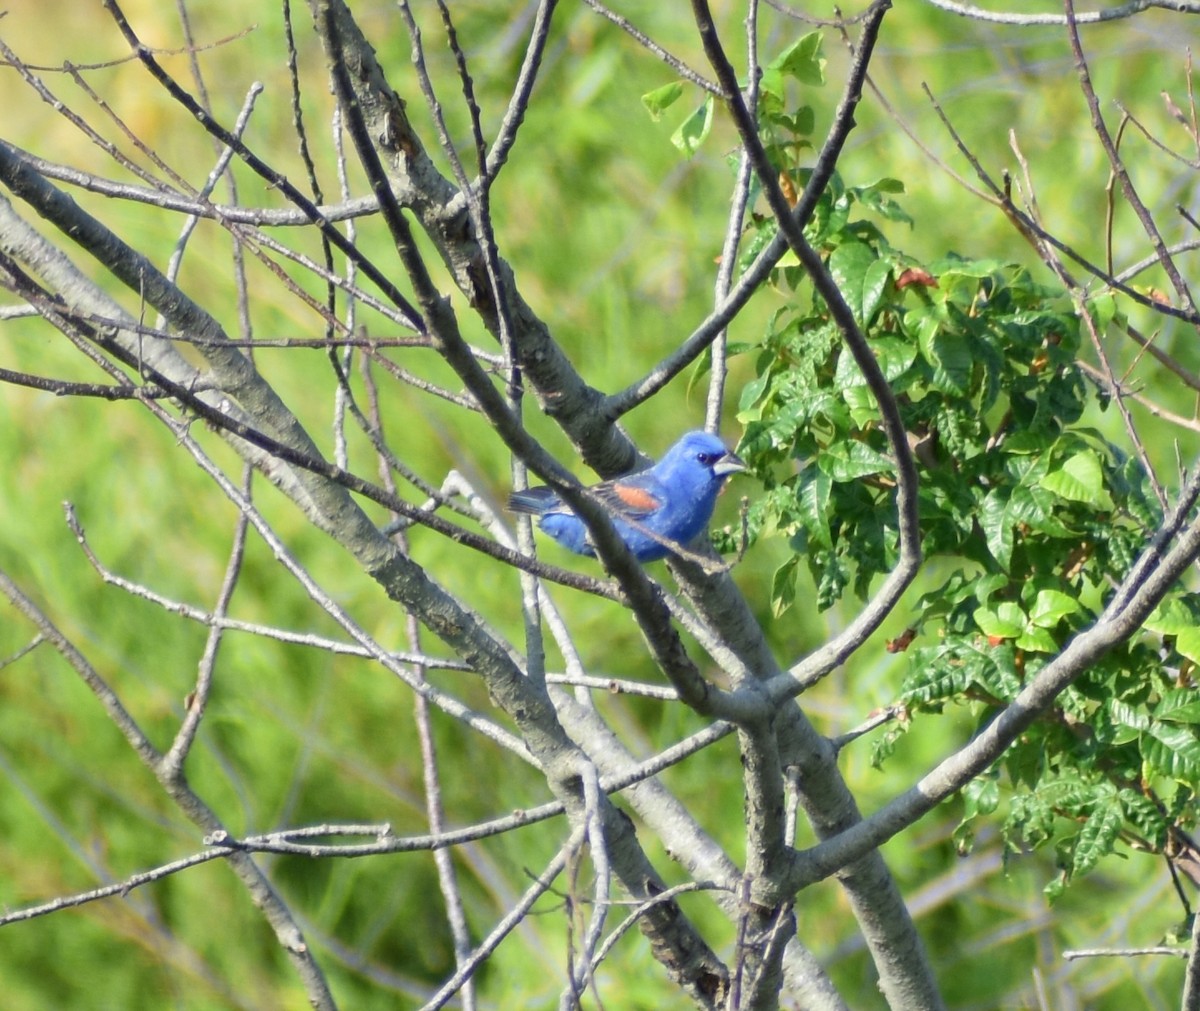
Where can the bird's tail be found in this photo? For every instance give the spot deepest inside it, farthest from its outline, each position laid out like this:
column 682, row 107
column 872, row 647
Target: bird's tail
column 533, row 501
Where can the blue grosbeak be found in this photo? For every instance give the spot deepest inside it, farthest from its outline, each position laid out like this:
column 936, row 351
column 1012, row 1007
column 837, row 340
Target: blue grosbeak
column 672, row 500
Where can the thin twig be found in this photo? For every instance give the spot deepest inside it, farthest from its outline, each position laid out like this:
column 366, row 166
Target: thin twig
column 1120, row 13
column 272, row 177
column 733, row 232
column 652, row 47
column 623, row 401
column 1118, row 166
column 512, row 919
column 275, row 910
column 197, row 700
column 518, row 103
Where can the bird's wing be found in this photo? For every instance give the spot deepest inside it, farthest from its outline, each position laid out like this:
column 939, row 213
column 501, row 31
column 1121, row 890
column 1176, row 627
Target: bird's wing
column 626, row 496
column 629, row 496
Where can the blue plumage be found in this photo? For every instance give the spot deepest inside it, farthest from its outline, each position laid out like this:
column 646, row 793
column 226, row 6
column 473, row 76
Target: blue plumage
column 674, row 500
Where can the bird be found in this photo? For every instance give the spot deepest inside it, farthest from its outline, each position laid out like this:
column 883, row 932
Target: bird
column 655, row 511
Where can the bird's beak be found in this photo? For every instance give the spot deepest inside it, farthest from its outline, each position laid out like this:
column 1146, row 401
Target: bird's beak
column 728, row 464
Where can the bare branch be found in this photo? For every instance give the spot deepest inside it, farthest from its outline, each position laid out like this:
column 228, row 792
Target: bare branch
column 287, row 930
column 652, row 47
column 1106, row 141
column 518, row 104
column 620, row 403
column 1119, row 13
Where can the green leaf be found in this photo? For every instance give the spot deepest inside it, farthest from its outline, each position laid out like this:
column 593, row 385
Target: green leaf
column 1050, row 607
column 985, row 586
column 751, row 393
column 849, row 460
column 1129, row 722
column 949, row 354
column 955, row 267
column 1144, row 815
column 1061, row 400
column 894, row 356
column 661, row 99
column 813, row 501
column 1034, row 506
column 885, row 184
column 801, row 123
column 1006, row 622
column 1054, row 889
column 1171, row 750
column 936, row 673
column 1179, row 705
column 1097, row 837
column 875, row 197
column 693, row 130
column 885, row 744
column 861, row 276
column 802, row 60
column 832, row 574
column 1187, row 644
column 980, row 796
column 1103, row 309
column 1032, row 819
column 703, row 364
column 1069, row 794
column 783, row 586
column 1173, row 616
column 997, row 527
column 1139, row 499
column 1036, row 640
column 1080, row 479
column 875, row 283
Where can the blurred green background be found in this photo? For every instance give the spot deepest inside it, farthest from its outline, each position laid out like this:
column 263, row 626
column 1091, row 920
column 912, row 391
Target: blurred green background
column 613, row 237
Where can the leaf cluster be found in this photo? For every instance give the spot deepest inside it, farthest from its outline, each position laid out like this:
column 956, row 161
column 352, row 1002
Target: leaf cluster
column 1035, row 509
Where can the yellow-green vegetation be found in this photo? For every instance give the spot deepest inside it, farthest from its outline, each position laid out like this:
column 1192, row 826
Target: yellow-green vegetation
column 611, row 212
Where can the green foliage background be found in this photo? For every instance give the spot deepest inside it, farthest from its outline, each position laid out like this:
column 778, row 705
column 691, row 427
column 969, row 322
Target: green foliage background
column 614, row 237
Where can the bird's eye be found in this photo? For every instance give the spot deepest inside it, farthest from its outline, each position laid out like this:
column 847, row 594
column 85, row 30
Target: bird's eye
column 706, row 458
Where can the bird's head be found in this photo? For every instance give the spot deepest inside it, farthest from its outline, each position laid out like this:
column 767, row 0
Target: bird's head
column 700, row 459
